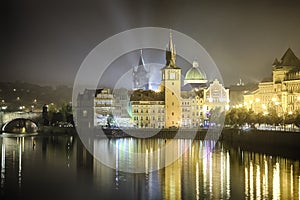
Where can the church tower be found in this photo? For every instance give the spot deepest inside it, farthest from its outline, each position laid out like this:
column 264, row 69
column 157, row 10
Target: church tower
column 171, row 84
column 140, row 75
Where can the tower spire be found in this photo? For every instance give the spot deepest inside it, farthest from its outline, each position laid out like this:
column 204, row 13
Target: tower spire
column 171, row 48
column 141, row 61
column 171, row 52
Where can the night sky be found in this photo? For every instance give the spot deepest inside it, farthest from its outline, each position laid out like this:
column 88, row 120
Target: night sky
column 45, row 41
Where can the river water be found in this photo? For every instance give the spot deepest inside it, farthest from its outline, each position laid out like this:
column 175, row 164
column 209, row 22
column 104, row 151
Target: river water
column 60, row 167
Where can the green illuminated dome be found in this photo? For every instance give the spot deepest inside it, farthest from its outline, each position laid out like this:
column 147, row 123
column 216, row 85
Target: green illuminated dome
column 194, row 75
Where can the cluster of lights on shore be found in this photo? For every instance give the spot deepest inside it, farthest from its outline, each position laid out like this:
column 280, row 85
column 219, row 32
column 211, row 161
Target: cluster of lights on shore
column 263, row 105
column 21, row 107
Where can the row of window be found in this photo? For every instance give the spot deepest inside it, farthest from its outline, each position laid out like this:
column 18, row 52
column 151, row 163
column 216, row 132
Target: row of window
column 192, row 108
column 146, row 111
column 193, row 114
column 136, row 118
column 141, row 125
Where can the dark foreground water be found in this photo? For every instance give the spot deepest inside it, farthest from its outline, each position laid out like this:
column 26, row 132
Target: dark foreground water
column 59, row 167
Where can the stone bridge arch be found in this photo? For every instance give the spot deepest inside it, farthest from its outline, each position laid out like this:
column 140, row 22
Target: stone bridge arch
column 20, row 126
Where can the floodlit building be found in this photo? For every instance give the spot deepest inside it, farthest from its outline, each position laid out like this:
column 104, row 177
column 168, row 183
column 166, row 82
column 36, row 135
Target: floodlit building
column 174, row 105
column 282, row 91
column 177, row 103
column 103, row 106
column 148, row 109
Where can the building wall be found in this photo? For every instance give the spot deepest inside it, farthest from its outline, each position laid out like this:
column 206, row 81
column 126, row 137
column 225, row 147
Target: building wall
column 148, row 114
column 281, row 94
column 103, row 107
column 193, row 112
column 172, row 88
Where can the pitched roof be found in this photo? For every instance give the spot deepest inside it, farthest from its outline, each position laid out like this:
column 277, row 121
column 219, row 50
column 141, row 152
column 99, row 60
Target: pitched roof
column 276, row 62
column 147, row 95
column 289, row 59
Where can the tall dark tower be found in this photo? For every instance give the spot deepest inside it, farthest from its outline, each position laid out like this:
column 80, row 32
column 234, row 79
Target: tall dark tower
column 140, row 75
column 171, row 82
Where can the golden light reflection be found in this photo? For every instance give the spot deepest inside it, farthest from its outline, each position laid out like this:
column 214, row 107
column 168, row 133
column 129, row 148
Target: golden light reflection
column 292, row 182
column 276, row 181
column 197, row 182
column 21, row 149
column 246, row 182
column 258, row 182
column 251, row 181
column 2, row 165
column 265, row 179
column 299, row 186
column 228, row 175
column 222, row 173
column 202, row 174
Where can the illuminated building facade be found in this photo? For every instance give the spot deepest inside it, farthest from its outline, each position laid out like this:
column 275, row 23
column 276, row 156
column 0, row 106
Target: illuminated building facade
column 282, row 91
column 176, row 106
column 173, row 105
column 103, row 105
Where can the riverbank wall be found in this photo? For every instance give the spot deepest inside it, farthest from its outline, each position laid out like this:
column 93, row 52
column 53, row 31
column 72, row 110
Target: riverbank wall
column 261, row 138
column 235, row 137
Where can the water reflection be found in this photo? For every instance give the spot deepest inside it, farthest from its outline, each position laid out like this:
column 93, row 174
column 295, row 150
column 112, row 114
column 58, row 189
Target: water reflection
column 198, row 173
column 268, row 177
column 61, row 167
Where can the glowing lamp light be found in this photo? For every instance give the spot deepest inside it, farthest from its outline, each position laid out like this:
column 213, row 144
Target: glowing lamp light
column 227, row 107
column 257, row 99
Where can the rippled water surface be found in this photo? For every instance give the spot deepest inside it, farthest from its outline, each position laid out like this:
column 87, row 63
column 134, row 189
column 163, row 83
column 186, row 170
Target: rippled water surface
column 59, row 167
